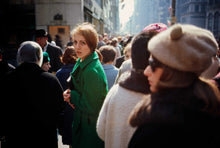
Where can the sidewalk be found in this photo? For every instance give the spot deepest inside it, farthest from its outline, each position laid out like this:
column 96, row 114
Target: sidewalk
column 60, row 144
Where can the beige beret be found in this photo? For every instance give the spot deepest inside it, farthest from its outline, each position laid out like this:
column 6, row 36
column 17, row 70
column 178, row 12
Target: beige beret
column 184, row 47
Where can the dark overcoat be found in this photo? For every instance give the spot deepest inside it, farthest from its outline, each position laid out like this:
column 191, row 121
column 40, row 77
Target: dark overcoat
column 176, row 119
column 55, row 53
column 34, row 100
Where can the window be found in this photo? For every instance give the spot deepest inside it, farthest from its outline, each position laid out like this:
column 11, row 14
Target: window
column 216, row 28
column 196, row 8
column 210, row 22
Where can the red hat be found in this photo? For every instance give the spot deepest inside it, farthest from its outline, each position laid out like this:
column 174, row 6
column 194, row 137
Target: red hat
column 157, row 27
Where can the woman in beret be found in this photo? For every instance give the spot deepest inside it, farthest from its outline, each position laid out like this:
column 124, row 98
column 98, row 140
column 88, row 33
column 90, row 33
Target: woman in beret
column 183, row 109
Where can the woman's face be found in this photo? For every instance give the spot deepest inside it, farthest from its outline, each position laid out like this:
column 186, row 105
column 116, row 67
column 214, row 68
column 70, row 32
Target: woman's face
column 81, row 47
column 46, row 66
column 153, row 74
column 128, row 55
column 42, row 41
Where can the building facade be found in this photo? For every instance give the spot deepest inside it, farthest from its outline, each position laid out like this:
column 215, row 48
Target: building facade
column 213, row 17
column 202, row 13
column 145, row 12
column 57, row 17
column 191, row 12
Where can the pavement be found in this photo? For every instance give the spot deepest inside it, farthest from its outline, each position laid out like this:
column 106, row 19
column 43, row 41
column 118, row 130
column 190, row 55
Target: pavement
column 60, row 144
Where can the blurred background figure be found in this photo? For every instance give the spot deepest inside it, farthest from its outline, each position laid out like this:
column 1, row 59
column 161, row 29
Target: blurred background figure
column 5, row 67
column 101, row 42
column 111, row 72
column 68, row 59
column 55, row 52
column 121, row 59
column 126, row 64
column 58, row 41
column 46, row 62
column 114, row 43
column 37, row 98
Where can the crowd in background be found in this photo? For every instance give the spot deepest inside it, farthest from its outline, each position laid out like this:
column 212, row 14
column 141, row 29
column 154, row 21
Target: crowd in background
column 159, row 87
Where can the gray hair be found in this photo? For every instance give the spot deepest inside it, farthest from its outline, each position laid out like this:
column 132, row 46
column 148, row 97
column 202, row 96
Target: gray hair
column 30, row 52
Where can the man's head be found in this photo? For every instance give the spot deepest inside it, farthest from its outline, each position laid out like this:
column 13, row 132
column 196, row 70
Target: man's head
column 108, row 53
column 41, row 37
column 30, row 52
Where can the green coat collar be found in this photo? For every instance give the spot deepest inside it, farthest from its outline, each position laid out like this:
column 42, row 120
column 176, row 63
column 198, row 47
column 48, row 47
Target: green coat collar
column 85, row 62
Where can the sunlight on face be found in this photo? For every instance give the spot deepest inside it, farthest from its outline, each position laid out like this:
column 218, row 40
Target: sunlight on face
column 81, row 47
column 153, row 77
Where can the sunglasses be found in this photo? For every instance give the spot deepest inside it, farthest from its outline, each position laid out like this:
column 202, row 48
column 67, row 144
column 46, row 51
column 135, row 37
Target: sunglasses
column 154, row 64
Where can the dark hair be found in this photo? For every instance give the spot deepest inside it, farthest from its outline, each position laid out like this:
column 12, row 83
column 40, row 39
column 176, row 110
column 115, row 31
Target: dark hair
column 69, row 56
column 207, row 92
column 99, row 54
column 139, row 49
column 108, row 52
column 172, row 77
column 137, row 81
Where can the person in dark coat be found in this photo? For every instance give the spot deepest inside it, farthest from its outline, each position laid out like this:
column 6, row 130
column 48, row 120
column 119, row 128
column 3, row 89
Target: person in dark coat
column 55, row 52
column 34, row 101
column 5, row 68
column 68, row 59
column 183, row 109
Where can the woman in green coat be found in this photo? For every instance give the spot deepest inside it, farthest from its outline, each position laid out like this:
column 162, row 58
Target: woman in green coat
column 90, row 87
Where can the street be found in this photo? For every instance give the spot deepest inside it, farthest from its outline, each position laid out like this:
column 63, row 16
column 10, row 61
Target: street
column 60, row 144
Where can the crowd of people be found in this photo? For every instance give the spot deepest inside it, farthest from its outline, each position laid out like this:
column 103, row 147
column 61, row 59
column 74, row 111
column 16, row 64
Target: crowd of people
column 159, row 87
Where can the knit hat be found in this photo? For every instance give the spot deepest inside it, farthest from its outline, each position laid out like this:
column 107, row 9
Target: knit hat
column 46, row 57
column 156, row 26
column 184, row 47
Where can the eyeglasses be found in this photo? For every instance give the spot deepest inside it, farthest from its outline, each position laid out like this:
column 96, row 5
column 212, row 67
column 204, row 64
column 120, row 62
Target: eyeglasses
column 153, row 64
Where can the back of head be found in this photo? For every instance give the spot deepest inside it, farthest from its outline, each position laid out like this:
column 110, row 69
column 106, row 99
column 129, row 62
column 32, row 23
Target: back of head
column 139, row 51
column 137, row 81
column 69, row 56
column 30, row 52
column 108, row 53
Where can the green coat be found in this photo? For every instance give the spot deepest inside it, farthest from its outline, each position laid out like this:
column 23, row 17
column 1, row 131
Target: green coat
column 91, row 88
